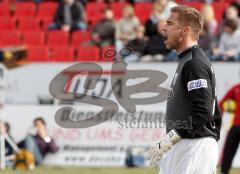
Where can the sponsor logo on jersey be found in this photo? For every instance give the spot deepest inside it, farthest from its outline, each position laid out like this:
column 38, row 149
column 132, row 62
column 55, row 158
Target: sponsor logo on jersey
column 196, row 84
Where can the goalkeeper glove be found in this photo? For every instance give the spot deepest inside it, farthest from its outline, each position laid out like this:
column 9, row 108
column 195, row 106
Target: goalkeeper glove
column 156, row 152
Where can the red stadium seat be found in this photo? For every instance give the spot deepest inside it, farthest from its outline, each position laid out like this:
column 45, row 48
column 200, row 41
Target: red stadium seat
column 38, row 54
column 34, row 38
column 93, row 20
column 57, row 38
column 6, row 24
column 4, row 9
column 28, row 24
column 94, row 11
column 47, row 9
column 94, row 8
column 62, row 54
column 10, row 38
column 143, row 10
column 196, row 5
column 79, row 38
column 219, row 8
column 178, row 1
column 25, row 9
column 46, row 22
column 88, row 54
column 117, row 8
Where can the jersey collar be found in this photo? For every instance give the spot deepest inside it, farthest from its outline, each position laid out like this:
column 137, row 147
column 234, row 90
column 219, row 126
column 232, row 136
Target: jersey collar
column 187, row 50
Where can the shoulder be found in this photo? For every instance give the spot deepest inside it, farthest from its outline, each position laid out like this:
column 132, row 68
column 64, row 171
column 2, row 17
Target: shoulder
column 197, row 65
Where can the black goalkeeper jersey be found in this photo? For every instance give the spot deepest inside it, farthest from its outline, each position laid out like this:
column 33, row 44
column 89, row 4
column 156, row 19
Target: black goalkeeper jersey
column 192, row 107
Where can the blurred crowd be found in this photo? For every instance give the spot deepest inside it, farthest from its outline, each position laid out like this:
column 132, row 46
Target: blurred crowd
column 219, row 39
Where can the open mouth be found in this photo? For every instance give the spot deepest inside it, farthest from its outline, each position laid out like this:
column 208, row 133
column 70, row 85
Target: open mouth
column 165, row 38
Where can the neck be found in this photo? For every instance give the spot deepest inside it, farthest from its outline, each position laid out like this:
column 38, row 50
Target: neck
column 185, row 45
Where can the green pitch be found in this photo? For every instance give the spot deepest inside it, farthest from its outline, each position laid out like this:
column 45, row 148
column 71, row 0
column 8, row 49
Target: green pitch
column 77, row 170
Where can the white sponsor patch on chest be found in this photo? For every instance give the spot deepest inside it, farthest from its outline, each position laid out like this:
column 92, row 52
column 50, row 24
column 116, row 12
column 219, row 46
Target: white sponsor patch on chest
column 196, row 84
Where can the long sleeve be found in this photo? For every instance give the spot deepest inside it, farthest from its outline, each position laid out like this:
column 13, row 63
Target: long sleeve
column 197, row 80
column 52, row 146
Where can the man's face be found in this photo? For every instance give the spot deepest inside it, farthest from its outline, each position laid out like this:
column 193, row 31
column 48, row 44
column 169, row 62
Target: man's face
column 231, row 13
column 39, row 124
column 108, row 14
column 172, row 31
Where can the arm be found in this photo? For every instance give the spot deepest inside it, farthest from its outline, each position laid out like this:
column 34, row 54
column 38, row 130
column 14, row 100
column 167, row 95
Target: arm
column 52, row 146
column 197, row 81
column 157, row 151
column 49, row 142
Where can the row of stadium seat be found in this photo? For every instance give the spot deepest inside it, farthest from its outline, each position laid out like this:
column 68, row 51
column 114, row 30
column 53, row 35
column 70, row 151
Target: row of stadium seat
column 51, row 38
column 66, row 54
column 46, row 10
column 23, row 24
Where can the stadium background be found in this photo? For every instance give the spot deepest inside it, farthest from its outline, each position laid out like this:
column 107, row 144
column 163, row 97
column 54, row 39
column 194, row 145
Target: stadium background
column 30, row 64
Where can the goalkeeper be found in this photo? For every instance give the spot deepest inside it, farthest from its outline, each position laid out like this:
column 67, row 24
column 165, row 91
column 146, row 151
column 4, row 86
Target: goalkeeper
column 190, row 147
column 233, row 137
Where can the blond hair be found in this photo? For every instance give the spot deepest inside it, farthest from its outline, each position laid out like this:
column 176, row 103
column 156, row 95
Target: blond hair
column 208, row 13
column 189, row 16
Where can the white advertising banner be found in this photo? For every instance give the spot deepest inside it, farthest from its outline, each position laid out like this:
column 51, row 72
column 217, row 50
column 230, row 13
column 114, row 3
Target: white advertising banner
column 26, row 84
column 102, row 145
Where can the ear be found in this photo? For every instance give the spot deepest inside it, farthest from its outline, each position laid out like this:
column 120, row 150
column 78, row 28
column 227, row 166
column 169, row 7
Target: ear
column 186, row 31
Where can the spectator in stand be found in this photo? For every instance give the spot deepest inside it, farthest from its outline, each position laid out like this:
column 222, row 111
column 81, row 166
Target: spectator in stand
column 161, row 11
column 126, row 27
column 236, row 4
column 166, row 6
column 230, row 13
column 233, row 137
column 103, row 32
column 209, row 19
column 39, row 143
column 70, row 16
column 156, row 50
column 229, row 48
column 151, row 23
column 137, row 45
column 206, row 39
